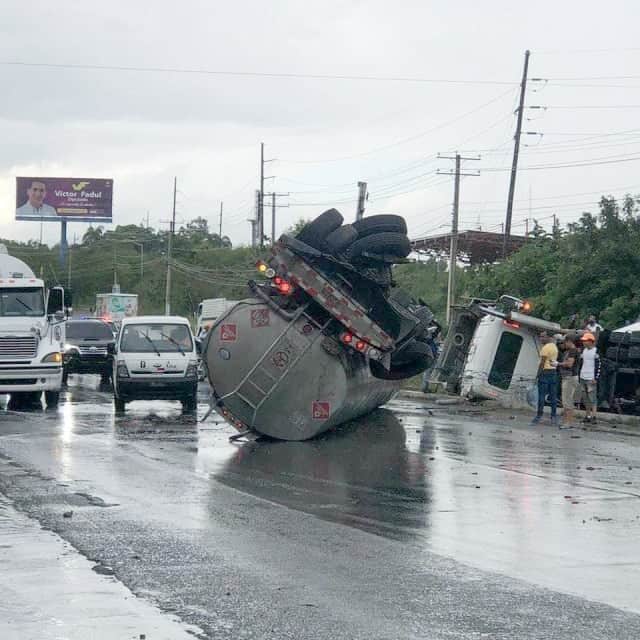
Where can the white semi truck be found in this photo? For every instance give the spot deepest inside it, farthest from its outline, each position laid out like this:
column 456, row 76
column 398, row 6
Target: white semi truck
column 32, row 336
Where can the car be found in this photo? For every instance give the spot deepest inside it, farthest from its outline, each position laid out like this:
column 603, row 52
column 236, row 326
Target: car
column 88, row 349
column 156, row 358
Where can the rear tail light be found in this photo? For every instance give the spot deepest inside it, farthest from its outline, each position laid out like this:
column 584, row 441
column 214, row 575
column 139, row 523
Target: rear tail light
column 347, row 338
column 361, row 345
column 285, row 287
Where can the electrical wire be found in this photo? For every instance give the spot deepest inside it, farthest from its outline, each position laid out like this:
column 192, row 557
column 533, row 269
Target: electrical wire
column 254, row 74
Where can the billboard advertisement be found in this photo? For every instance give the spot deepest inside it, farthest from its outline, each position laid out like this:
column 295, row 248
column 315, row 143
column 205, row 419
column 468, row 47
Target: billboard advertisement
column 73, row 199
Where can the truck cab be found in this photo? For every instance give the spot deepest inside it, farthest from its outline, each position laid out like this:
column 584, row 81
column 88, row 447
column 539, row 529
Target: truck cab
column 155, row 359
column 32, row 335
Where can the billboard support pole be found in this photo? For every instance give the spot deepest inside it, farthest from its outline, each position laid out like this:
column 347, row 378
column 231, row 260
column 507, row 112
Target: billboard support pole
column 63, row 243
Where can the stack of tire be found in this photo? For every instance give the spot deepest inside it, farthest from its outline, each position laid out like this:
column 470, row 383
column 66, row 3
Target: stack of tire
column 623, row 348
column 373, row 245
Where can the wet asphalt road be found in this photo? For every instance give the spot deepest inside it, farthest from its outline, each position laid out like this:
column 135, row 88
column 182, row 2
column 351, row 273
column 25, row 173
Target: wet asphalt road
column 403, row 525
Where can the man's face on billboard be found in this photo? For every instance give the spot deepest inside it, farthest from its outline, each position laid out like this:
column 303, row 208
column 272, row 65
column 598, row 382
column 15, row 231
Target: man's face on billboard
column 36, row 193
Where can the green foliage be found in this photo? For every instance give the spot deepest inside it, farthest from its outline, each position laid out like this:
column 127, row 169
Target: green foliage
column 592, row 268
column 204, row 265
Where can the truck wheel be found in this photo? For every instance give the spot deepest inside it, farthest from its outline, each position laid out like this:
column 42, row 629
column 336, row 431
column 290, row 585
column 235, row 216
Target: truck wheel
column 401, row 372
column 391, row 243
column 51, row 398
column 338, row 240
column 190, row 403
column 382, row 223
column 119, row 404
column 317, row 230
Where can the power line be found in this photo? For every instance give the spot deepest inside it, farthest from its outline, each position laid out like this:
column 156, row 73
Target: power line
column 256, row 74
column 408, row 139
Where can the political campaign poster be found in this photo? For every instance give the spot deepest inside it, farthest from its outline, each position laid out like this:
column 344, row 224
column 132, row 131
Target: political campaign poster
column 73, row 199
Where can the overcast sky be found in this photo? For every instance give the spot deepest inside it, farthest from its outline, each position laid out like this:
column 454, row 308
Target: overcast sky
column 143, row 128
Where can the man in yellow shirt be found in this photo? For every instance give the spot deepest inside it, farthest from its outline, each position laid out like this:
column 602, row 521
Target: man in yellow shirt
column 547, row 378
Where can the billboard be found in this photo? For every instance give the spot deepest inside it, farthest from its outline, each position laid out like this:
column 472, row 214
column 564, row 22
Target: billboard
column 74, row 199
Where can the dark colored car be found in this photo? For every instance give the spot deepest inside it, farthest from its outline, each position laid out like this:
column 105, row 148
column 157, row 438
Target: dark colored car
column 88, row 349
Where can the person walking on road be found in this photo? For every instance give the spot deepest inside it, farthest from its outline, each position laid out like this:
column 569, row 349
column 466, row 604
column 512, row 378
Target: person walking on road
column 589, row 374
column 568, row 369
column 547, row 378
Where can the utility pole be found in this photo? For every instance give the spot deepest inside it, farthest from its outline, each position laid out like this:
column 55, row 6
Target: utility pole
column 275, row 206
column 362, row 196
column 220, row 230
column 516, row 151
column 260, row 216
column 453, row 248
column 172, row 227
column 261, row 201
column 69, row 269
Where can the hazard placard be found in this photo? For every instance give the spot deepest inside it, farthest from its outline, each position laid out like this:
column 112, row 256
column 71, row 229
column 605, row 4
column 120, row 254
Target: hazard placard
column 320, row 410
column 259, row 318
column 228, row 332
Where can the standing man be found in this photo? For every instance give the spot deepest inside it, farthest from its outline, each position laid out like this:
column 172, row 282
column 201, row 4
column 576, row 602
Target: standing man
column 547, row 378
column 589, row 374
column 568, row 368
column 592, row 325
column 35, row 206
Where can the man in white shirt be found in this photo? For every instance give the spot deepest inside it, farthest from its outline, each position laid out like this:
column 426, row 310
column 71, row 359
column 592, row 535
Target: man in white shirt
column 589, row 374
column 35, row 206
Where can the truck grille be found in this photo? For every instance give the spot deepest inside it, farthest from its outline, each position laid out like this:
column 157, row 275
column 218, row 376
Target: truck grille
column 92, row 351
column 18, row 347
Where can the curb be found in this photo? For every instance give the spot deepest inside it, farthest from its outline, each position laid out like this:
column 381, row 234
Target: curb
column 607, row 422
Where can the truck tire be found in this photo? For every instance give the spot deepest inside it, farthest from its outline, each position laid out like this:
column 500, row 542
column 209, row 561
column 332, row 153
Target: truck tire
column 342, row 237
column 119, row 404
column 315, row 232
column 190, row 404
column 403, row 371
column 390, row 243
column 51, row 398
column 382, row 223
column 410, row 352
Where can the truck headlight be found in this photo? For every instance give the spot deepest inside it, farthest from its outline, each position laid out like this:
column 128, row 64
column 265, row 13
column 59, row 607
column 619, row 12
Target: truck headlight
column 122, row 371
column 56, row 357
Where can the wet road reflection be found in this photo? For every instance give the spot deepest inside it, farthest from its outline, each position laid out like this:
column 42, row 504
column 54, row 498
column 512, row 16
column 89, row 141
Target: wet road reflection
column 360, row 475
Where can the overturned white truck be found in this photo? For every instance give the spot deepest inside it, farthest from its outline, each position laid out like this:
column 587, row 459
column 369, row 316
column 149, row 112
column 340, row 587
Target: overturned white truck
column 491, row 351
column 325, row 337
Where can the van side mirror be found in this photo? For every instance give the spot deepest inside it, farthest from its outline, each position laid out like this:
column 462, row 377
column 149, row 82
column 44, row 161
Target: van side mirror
column 55, row 302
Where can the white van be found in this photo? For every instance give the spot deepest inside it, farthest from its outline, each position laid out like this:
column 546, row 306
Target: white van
column 155, row 359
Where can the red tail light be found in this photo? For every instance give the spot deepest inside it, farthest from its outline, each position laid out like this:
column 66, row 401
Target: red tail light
column 347, row 338
column 277, row 281
column 361, row 345
column 284, row 287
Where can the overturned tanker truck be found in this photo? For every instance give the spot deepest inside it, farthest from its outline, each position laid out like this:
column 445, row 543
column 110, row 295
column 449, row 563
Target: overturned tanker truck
column 325, row 337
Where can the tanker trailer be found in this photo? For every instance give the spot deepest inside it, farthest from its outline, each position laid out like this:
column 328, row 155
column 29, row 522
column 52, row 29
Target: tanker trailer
column 324, row 338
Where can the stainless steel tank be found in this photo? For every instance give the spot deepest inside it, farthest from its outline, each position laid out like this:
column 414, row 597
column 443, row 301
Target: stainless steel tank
column 276, row 373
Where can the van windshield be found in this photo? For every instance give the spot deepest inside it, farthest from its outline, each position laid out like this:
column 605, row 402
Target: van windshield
column 156, row 338
column 22, row 301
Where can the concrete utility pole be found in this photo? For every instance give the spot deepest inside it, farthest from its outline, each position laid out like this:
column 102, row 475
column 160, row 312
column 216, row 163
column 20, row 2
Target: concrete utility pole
column 172, row 228
column 220, row 232
column 362, row 196
column 453, row 248
column 516, row 151
column 261, row 200
column 275, row 206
